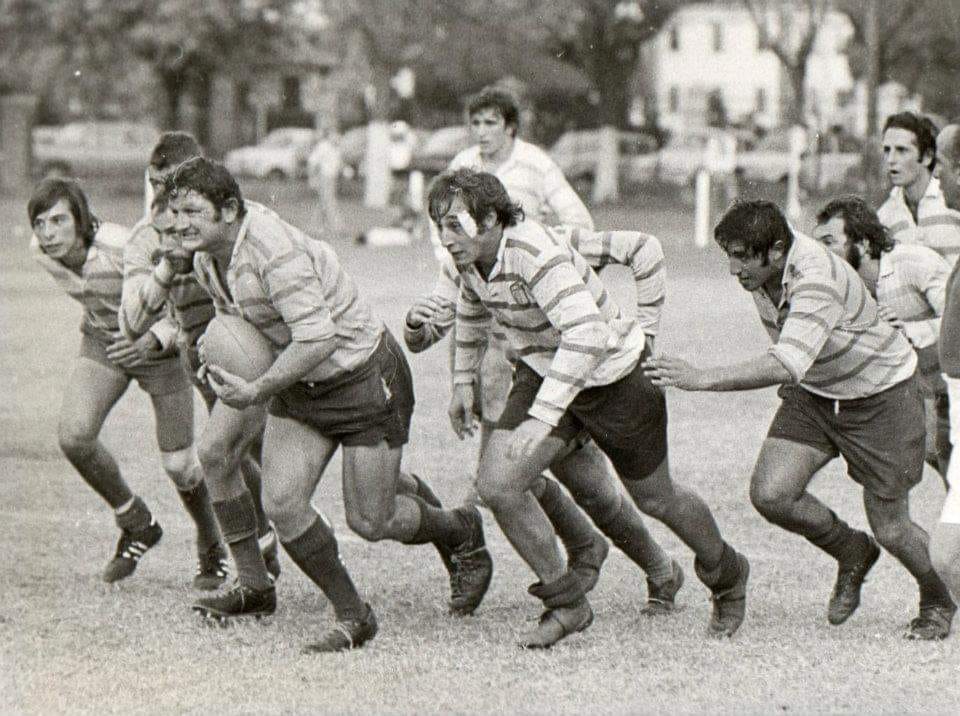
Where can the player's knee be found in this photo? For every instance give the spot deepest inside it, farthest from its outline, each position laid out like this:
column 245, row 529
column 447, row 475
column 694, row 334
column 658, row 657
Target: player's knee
column 891, row 534
column 372, row 529
column 75, row 442
column 769, row 502
column 182, row 468
column 494, row 490
column 218, row 453
column 286, row 510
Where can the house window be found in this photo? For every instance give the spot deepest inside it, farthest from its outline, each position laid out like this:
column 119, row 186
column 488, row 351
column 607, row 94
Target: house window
column 674, row 101
column 717, row 36
column 761, row 101
column 674, row 38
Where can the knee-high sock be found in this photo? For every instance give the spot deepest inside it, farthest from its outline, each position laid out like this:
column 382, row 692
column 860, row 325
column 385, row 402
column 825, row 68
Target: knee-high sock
column 198, row 506
column 316, row 553
column 238, row 522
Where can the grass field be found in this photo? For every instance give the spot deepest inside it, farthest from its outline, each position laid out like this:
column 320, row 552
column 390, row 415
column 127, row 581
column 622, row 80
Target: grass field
column 69, row 643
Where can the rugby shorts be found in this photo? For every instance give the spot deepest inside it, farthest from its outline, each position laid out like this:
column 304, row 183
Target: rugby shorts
column 882, row 436
column 627, row 419
column 161, row 377
column 362, row 407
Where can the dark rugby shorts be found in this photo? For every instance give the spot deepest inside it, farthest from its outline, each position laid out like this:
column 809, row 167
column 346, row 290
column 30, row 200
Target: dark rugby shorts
column 161, row 377
column 627, row 419
column 881, row 436
column 368, row 405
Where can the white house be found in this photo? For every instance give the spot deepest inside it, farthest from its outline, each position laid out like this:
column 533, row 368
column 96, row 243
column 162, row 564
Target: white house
column 713, row 48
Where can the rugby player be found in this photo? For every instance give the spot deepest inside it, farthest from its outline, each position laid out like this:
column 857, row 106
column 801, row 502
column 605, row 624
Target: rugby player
column 339, row 379
column 945, row 540
column 915, row 211
column 848, row 387
column 158, row 280
column 578, row 370
column 582, row 468
column 85, row 257
column 908, row 281
column 533, row 179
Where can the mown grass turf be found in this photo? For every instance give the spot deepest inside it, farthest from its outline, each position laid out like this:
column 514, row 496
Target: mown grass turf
column 69, row 643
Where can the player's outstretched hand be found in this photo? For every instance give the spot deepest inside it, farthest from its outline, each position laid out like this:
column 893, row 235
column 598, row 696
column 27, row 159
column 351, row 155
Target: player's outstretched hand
column 668, row 371
column 126, row 354
column 430, row 309
column 462, row 417
column 526, row 438
column 232, row 389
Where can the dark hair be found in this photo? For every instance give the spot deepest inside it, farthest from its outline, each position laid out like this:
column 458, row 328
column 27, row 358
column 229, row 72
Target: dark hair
column 481, row 192
column 923, row 130
column 207, row 178
column 860, row 223
column 49, row 191
column 174, row 148
column 500, row 100
column 758, row 224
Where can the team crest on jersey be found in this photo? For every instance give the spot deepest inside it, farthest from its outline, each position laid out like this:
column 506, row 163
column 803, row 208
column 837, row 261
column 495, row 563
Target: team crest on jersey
column 519, row 293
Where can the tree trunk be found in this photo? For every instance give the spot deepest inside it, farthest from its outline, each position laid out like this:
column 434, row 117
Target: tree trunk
column 171, row 84
column 201, row 87
column 796, row 110
column 871, row 158
column 613, row 83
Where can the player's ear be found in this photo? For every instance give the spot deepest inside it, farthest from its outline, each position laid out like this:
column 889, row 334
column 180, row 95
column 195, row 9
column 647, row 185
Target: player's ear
column 490, row 220
column 230, row 211
column 778, row 251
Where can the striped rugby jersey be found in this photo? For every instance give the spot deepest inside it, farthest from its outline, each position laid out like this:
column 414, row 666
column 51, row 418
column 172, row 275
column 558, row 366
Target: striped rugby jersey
column 99, row 285
column 912, row 282
column 641, row 252
column 557, row 317
column 151, row 291
column 937, row 227
column 827, row 331
column 292, row 288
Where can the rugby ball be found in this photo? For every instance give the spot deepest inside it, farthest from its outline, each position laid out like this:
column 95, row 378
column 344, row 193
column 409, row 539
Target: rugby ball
column 236, row 346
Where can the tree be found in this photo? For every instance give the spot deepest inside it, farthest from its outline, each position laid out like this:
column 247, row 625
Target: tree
column 916, row 45
column 181, row 42
column 603, row 38
column 789, row 32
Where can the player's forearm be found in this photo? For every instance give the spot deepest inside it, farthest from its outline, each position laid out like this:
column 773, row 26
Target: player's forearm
column 295, row 362
column 759, row 372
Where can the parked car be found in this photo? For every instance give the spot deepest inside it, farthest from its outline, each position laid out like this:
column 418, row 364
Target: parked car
column 575, row 152
column 683, row 155
column 281, row 155
column 82, row 149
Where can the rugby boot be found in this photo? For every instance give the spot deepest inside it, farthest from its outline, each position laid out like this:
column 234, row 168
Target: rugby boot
column 730, row 603
column 238, row 601
column 270, row 550
column 933, row 623
column 558, row 623
column 131, row 546
column 586, row 561
column 346, row 634
column 212, row 568
column 568, row 611
column 472, row 567
column 661, row 597
column 850, row 578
